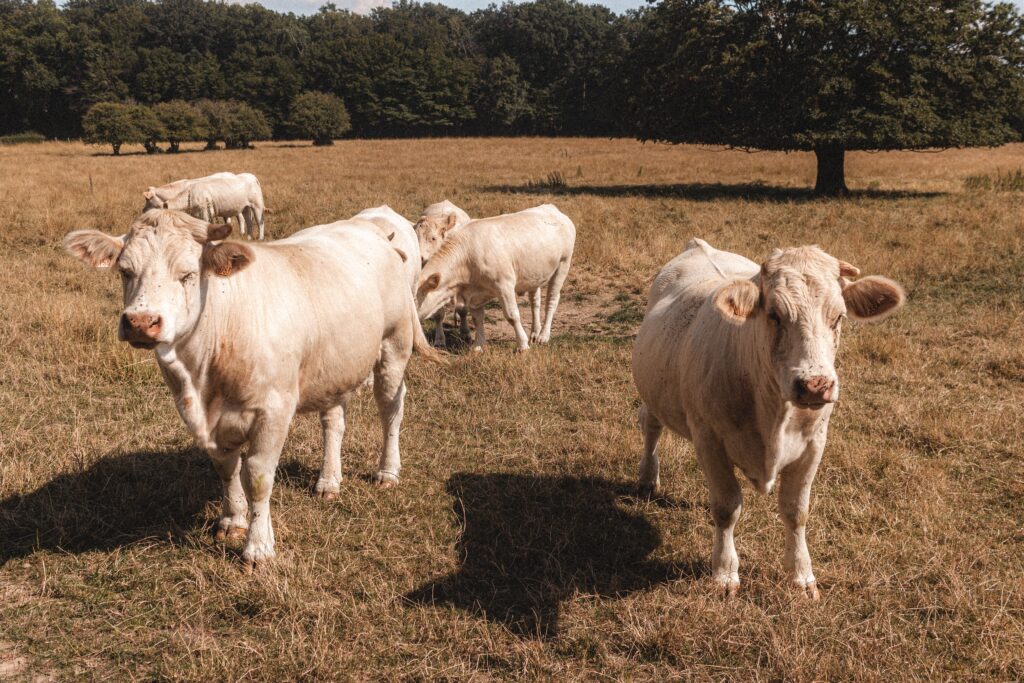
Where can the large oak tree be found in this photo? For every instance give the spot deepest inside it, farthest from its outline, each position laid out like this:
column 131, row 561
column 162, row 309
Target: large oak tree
column 828, row 76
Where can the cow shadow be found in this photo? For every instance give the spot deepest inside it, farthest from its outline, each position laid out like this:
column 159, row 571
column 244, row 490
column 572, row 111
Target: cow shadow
column 705, row 192
column 116, row 501
column 528, row 543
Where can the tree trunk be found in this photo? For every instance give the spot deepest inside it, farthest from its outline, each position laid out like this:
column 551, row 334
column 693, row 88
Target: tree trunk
column 175, row 146
column 117, row 148
column 831, row 180
column 323, row 142
column 211, row 144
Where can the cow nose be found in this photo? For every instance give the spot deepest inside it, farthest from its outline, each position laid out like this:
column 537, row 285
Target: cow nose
column 141, row 326
column 818, row 389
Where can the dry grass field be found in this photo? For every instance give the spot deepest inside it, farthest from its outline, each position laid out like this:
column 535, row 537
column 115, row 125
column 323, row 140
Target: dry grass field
column 513, row 548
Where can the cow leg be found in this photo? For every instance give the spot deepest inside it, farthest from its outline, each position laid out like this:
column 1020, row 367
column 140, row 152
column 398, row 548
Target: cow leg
column 258, row 470
column 439, row 339
column 389, row 392
column 650, row 481
column 726, row 504
column 478, row 323
column 554, row 295
column 535, row 329
column 510, row 307
column 258, row 213
column 462, row 313
column 234, row 519
column 243, row 224
column 332, row 421
column 794, row 503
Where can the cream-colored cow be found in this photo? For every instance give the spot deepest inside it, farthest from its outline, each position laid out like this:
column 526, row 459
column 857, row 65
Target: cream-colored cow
column 502, row 257
column 435, row 224
column 740, row 359
column 403, row 238
column 246, row 335
column 221, row 195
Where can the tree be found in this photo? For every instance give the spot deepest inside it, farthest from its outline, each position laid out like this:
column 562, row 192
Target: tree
column 151, row 128
column 503, row 98
column 242, row 125
column 215, row 114
column 182, row 121
column 320, row 116
column 111, row 123
column 828, row 76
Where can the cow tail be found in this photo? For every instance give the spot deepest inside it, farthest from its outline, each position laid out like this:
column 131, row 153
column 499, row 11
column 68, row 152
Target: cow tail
column 420, row 342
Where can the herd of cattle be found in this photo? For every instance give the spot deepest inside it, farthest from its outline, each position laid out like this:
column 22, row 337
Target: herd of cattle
column 737, row 357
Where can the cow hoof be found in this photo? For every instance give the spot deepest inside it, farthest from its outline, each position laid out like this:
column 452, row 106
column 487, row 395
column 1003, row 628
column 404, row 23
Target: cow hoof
column 384, row 480
column 522, row 349
column 327, row 495
column 255, row 556
column 232, row 534
column 326, row 489
column 647, row 491
column 727, row 589
column 478, row 349
column 809, row 591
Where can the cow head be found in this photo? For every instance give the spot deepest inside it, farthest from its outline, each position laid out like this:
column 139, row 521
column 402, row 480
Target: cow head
column 433, row 291
column 162, row 261
column 153, row 200
column 799, row 301
column 431, row 231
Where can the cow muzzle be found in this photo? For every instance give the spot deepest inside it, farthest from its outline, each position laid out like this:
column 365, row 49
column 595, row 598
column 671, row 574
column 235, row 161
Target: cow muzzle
column 814, row 392
column 141, row 330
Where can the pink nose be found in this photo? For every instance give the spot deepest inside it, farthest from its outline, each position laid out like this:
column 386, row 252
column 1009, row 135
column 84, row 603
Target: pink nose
column 817, row 389
column 140, row 327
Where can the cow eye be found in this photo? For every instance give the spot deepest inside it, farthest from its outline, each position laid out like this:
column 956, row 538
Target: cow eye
column 187, row 278
column 126, row 273
column 837, row 322
column 774, row 317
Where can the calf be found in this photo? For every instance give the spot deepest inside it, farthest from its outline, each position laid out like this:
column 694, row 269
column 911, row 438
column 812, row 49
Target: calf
column 221, row 195
column 502, row 257
column 437, row 222
column 740, row 359
column 248, row 335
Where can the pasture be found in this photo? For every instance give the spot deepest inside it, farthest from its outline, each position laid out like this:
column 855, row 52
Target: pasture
column 513, row 548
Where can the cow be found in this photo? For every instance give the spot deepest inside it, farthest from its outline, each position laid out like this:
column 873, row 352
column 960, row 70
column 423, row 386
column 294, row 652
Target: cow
column 403, row 238
column 221, row 195
column 435, row 223
column 246, row 335
column 740, row 359
column 502, row 257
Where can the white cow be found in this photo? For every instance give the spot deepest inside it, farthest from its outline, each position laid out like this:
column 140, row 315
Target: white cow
column 435, row 224
column 221, row 195
column 248, row 335
column 502, row 257
column 402, row 236
column 740, row 359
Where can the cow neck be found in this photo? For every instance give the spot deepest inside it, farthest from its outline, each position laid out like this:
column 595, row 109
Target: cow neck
column 188, row 361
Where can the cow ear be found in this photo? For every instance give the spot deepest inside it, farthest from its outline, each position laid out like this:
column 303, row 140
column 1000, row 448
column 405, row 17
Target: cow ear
column 737, row 300
column 449, row 223
column 430, row 284
column 873, row 298
column 847, row 269
column 215, row 233
column 148, row 194
column 402, row 254
column 94, row 248
column 227, row 258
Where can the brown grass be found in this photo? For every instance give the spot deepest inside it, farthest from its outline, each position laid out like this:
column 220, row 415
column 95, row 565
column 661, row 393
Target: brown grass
column 512, row 549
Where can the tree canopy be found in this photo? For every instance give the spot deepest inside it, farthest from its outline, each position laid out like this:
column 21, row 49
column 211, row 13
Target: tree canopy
column 320, row 116
column 828, row 75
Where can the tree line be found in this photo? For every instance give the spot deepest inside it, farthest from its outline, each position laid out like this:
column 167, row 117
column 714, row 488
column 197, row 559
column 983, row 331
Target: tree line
column 820, row 75
column 544, row 67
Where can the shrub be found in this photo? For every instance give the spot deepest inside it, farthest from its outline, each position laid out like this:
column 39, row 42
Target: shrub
column 28, row 137
column 320, row 116
column 242, row 125
column 111, row 123
column 151, row 128
column 183, row 122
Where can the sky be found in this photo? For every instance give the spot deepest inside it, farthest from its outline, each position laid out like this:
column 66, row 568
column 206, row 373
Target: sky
column 364, row 6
